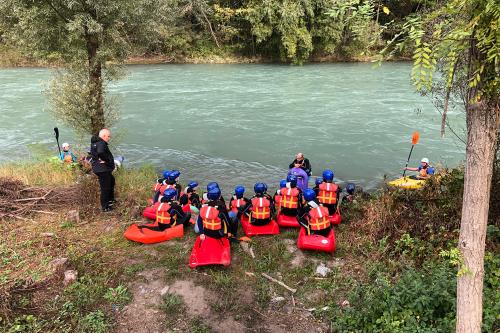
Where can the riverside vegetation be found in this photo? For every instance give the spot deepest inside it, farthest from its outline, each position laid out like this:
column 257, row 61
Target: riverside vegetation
column 394, row 270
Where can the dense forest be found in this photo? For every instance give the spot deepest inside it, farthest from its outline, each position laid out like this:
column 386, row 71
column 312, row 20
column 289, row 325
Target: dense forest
column 187, row 30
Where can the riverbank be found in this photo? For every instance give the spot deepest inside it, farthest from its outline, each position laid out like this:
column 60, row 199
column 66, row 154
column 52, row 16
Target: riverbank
column 395, row 253
column 11, row 58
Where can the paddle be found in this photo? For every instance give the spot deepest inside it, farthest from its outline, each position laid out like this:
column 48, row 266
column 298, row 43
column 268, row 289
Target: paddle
column 56, row 133
column 414, row 141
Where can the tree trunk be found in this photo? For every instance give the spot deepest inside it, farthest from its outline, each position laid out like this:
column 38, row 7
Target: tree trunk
column 97, row 118
column 482, row 128
column 483, row 120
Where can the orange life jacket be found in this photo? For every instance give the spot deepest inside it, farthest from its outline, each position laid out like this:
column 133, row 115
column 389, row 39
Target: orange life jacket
column 210, row 218
column 163, row 188
column 277, row 201
column 156, row 187
column 237, row 203
column 423, row 172
column 289, row 197
column 327, row 193
column 319, row 219
column 68, row 158
column 162, row 213
column 261, row 208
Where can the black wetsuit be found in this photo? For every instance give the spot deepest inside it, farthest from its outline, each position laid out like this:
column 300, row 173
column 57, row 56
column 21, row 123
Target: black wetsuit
column 177, row 217
column 192, row 197
column 178, row 188
column 304, row 165
column 303, row 219
column 103, row 164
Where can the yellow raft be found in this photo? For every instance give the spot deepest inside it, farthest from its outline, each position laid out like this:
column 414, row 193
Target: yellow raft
column 407, row 183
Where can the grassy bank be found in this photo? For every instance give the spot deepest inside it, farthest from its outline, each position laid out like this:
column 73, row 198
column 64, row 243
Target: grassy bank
column 10, row 57
column 394, row 269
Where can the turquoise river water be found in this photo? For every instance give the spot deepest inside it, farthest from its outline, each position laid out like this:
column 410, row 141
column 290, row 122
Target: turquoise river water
column 244, row 123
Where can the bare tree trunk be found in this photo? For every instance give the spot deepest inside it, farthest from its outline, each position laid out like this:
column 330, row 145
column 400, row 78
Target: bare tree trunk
column 97, row 118
column 482, row 130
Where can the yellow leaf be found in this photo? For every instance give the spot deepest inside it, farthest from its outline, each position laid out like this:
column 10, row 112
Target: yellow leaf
column 386, row 10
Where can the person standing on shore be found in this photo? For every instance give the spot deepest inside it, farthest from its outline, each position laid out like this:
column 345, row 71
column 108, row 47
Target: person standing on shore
column 103, row 164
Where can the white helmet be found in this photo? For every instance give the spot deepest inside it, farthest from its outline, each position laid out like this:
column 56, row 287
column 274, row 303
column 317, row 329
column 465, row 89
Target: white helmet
column 425, row 160
column 65, row 145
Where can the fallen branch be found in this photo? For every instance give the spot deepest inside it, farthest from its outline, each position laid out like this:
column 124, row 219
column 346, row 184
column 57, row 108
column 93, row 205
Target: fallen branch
column 263, row 315
column 280, row 283
column 44, row 212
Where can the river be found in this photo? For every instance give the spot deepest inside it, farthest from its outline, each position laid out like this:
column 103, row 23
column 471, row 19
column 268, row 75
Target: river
column 244, row 123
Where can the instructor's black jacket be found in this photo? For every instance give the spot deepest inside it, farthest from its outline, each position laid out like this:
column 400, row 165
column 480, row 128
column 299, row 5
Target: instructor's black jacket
column 100, row 153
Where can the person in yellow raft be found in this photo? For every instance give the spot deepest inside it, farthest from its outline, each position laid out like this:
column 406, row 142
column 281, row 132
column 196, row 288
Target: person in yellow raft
column 66, row 155
column 425, row 171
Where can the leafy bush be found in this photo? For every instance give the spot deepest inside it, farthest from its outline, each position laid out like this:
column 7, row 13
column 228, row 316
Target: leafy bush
column 94, row 322
column 118, row 296
column 419, row 301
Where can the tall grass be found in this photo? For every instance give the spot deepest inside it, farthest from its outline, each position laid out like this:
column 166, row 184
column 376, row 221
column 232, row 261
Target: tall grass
column 40, row 173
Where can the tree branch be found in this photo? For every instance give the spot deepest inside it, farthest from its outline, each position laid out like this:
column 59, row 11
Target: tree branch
column 447, row 99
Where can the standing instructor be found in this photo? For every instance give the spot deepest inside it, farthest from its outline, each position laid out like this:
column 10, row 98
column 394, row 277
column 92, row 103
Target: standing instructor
column 103, row 165
column 301, row 162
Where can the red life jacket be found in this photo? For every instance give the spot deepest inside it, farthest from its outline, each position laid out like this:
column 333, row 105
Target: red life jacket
column 162, row 213
column 237, row 203
column 210, row 218
column 327, row 193
column 261, row 208
column 319, row 219
column 156, row 187
column 289, row 197
column 163, row 188
column 67, row 157
column 277, row 201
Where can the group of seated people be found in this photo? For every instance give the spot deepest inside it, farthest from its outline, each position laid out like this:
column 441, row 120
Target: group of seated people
column 216, row 219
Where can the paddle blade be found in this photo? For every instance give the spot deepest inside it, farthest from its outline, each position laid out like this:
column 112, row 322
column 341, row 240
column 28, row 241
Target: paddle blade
column 56, row 131
column 415, row 138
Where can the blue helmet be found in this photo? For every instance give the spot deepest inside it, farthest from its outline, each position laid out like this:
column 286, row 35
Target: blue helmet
column 292, row 179
column 166, row 173
column 169, row 194
column 213, row 194
column 328, row 175
column 212, row 185
column 260, row 188
column 318, row 180
column 309, row 194
column 239, row 191
column 282, row 183
column 174, row 174
column 193, row 184
column 350, row 188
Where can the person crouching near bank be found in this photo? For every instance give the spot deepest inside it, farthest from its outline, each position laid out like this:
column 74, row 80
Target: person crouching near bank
column 313, row 216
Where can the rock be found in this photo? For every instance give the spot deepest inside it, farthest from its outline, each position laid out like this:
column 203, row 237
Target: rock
column 278, row 299
column 70, row 276
column 164, row 291
column 73, row 216
column 322, row 270
column 47, row 234
column 135, row 211
column 247, row 248
column 58, row 264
